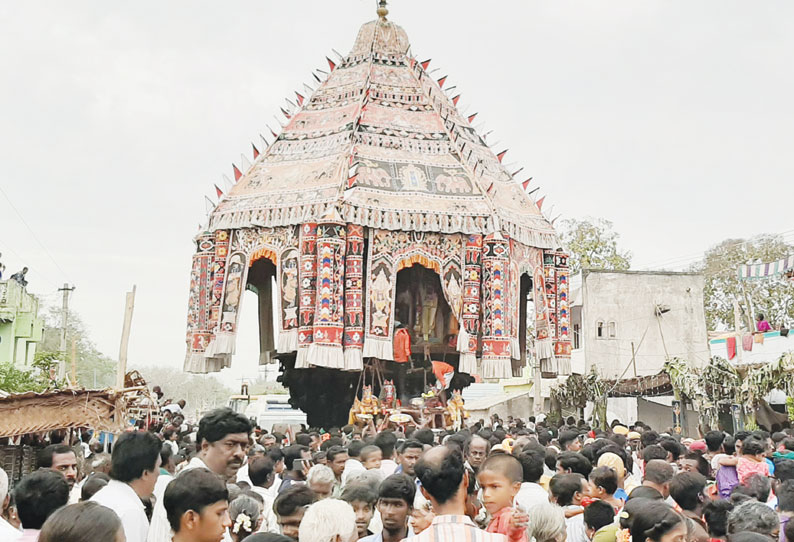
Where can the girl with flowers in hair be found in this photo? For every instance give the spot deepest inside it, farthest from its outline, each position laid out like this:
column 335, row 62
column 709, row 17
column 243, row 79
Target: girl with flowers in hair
column 246, row 516
column 648, row 520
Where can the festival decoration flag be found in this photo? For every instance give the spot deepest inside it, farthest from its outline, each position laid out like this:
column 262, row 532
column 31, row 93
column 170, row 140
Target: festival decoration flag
column 539, row 203
column 256, row 151
column 425, row 64
column 525, row 184
column 218, row 191
column 441, row 81
column 455, row 100
column 501, row 155
column 237, row 173
column 331, row 63
column 471, row 117
column 300, row 97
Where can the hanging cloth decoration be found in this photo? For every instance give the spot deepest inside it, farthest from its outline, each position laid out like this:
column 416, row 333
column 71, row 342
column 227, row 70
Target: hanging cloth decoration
column 544, row 348
column 326, row 348
column 308, row 292
column 562, row 346
column 495, row 339
column 469, row 331
column 288, row 287
column 353, row 340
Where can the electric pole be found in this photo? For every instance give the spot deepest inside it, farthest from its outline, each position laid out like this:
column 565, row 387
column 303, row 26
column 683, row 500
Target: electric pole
column 64, row 317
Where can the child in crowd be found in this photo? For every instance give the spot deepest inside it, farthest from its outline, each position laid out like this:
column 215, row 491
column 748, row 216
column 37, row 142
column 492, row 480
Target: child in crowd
column 568, row 491
column 603, row 485
column 500, row 479
column 599, row 521
column 197, row 505
column 362, row 499
column 371, row 457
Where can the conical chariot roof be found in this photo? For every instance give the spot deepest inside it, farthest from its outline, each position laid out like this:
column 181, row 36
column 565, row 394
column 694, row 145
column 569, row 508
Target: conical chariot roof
column 382, row 143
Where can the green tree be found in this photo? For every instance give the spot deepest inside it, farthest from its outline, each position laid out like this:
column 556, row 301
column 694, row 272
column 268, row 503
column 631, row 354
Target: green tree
column 95, row 370
column 593, row 244
column 773, row 297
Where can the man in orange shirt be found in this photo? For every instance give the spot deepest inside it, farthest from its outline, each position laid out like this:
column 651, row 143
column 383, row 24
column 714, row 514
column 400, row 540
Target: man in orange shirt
column 402, row 357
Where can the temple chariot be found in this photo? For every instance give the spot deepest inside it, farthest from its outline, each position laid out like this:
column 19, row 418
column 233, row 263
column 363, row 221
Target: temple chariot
column 377, row 204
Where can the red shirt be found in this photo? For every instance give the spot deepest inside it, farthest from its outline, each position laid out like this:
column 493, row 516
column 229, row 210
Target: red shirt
column 402, row 345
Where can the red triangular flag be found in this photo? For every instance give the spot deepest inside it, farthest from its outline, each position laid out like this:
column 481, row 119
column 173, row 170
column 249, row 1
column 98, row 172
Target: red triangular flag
column 331, row 63
column 441, row 81
column 351, row 180
column 455, row 100
column 525, row 184
column 539, row 203
column 256, row 151
column 300, row 98
column 237, row 173
column 218, row 191
column 412, row 62
column 425, row 64
column 501, row 155
column 471, row 117
column 285, row 113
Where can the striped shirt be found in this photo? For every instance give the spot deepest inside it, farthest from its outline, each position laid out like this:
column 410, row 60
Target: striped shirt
column 455, row 529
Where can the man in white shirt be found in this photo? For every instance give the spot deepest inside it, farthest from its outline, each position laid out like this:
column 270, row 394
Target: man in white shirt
column 260, row 471
column 135, row 466
column 531, row 492
column 222, row 441
column 7, row 531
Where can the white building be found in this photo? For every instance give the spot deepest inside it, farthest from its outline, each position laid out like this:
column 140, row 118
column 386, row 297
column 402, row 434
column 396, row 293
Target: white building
column 627, row 323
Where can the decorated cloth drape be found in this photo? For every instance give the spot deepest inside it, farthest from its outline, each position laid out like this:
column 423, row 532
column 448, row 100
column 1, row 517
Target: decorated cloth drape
column 495, row 333
column 326, row 349
column 353, row 339
column 544, row 346
column 307, row 291
column 204, row 305
column 388, row 253
column 288, row 288
column 562, row 344
column 470, row 328
column 757, row 271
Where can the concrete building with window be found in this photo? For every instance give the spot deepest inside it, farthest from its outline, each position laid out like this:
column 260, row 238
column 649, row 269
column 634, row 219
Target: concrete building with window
column 20, row 325
column 625, row 324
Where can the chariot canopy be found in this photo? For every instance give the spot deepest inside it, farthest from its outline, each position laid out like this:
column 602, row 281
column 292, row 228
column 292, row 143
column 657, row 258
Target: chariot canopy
column 376, row 172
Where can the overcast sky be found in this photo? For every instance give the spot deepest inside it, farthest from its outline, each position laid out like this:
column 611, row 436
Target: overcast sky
column 673, row 119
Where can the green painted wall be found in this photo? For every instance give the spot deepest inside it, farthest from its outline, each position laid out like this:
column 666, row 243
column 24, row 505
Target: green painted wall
column 20, row 325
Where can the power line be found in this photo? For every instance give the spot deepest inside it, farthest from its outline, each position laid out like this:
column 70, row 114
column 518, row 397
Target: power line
column 787, row 235
column 47, row 252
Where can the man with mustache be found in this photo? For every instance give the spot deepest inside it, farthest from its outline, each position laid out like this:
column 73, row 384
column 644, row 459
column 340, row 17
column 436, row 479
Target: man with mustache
column 221, row 442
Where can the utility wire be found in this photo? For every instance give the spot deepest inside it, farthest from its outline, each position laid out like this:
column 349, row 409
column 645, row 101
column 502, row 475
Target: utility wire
column 47, row 252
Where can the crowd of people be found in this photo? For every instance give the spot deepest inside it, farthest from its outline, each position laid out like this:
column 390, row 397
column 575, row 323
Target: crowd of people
column 513, row 480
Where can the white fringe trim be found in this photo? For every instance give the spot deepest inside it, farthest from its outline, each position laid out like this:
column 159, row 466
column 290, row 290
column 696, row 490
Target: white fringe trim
column 302, row 359
column 323, row 355
column 497, row 368
column 463, row 340
column 548, row 365
column 195, row 362
column 544, row 349
column 564, row 366
column 378, row 348
column 354, row 360
column 222, row 344
column 287, row 341
column 515, row 348
column 468, row 363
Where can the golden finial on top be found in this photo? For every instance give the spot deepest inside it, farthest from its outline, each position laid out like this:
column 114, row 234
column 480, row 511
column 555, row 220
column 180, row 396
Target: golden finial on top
column 382, row 10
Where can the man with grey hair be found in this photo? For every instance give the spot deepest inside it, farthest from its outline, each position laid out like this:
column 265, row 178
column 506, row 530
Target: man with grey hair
column 7, row 531
column 321, row 480
column 329, row 520
column 754, row 516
